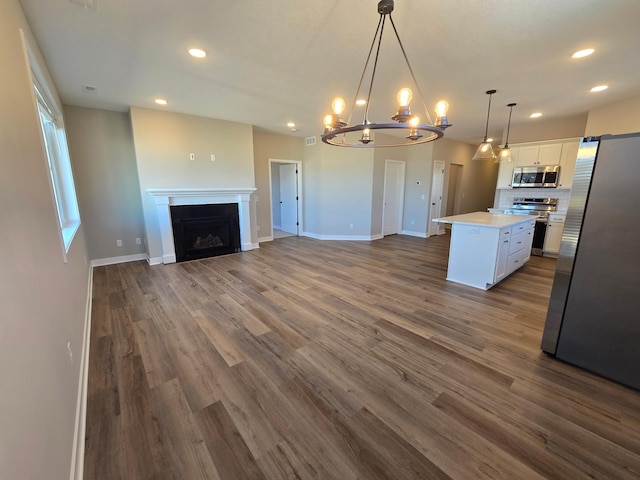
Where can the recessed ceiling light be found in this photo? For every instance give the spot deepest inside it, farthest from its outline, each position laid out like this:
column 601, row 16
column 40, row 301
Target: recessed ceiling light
column 599, row 88
column 361, row 101
column 197, row 52
column 160, row 101
column 583, row 53
column 535, row 115
column 291, row 124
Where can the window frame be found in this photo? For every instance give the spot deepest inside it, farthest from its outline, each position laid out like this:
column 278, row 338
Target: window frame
column 56, row 153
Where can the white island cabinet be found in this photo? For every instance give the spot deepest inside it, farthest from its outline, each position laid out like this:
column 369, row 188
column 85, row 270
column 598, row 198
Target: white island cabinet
column 487, row 247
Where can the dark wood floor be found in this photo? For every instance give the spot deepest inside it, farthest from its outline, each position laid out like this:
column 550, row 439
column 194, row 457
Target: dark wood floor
column 307, row 359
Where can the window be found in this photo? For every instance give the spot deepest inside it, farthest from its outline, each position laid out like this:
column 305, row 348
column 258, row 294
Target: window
column 59, row 163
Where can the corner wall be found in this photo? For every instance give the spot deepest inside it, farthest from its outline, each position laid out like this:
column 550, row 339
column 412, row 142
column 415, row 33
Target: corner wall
column 101, row 144
column 268, row 146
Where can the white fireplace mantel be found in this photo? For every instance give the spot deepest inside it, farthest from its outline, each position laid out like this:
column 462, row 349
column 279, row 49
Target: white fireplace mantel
column 166, row 197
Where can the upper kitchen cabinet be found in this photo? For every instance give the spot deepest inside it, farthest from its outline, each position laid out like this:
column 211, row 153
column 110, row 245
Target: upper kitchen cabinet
column 505, row 170
column 547, row 154
column 568, row 163
column 551, row 152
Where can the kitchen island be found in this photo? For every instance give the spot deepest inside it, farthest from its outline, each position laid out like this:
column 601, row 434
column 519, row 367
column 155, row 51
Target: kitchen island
column 487, row 247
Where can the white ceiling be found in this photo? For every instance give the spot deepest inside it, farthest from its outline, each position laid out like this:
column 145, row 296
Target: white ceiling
column 270, row 62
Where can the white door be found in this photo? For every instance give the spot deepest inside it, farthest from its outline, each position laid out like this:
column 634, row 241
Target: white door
column 435, row 211
column 393, row 197
column 288, row 198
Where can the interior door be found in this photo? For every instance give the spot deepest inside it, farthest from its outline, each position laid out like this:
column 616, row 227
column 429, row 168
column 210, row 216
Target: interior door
column 437, row 186
column 393, row 197
column 288, row 198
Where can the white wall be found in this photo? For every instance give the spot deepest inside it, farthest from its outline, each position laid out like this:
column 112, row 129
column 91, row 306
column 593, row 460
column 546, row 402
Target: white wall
column 42, row 299
column 163, row 142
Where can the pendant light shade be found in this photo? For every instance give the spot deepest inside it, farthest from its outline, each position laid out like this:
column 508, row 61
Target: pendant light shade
column 485, row 150
column 505, row 153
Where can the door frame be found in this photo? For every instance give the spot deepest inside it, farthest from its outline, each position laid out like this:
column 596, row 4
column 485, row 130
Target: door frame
column 439, row 228
column 298, row 187
column 400, row 211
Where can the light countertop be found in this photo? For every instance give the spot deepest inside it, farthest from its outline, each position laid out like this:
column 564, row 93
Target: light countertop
column 485, row 219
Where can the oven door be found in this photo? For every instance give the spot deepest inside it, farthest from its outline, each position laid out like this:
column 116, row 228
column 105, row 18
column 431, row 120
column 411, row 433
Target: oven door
column 539, row 232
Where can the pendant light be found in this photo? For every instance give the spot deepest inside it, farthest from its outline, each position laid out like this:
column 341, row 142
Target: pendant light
column 505, row 153
column 485, row 150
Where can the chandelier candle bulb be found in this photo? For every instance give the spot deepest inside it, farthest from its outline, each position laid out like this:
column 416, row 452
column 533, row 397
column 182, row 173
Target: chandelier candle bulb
column 442, row 107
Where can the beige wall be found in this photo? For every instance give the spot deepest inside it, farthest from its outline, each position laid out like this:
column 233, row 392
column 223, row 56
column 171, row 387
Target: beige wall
column 163, row 142
column 479, row 177
column 42, row 299
column 101, row 145
column 268, row 146
column 338, row 186
column 617, row 118
column 535, row 130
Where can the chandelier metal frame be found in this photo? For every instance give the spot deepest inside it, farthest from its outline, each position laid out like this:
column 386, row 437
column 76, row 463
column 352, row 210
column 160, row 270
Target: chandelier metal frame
column 336, row 129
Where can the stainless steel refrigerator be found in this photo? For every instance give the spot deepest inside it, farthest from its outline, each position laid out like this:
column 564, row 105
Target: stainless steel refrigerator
column 593, row 319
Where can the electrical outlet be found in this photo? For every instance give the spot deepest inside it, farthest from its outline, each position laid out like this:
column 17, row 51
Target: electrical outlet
column 351, row 226
column 118, row 243
column 192, row 156
column 213, row 157
column 138, row 241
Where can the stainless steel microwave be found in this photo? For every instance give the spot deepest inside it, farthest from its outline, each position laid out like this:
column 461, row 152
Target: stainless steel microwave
column 536, row 176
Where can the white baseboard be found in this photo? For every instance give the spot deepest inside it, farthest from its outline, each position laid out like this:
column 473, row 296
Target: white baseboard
column 154, row 260
column 414, row 234
column 256, row 245
column 126, row 258
column 77, row 452
column 277, row 227
column 265, row 239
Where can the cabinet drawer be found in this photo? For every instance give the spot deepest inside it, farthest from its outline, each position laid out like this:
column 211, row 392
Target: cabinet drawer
column 523, row 227
column 519, row 241
column 516, row 260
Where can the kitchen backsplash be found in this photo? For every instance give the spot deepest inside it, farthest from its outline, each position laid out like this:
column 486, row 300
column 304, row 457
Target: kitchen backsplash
column 504, row 196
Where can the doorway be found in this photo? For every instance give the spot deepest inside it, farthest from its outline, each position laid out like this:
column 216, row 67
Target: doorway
column 393, row 197
column 285, row 191
column 435, row 209
column 454, row 192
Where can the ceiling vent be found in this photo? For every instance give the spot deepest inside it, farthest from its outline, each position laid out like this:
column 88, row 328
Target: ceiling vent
column 310, row 141
column 89, row 89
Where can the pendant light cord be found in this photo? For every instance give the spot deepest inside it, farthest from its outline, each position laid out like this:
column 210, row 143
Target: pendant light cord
column 486, row 129
column 506, row 144
column 415, row 82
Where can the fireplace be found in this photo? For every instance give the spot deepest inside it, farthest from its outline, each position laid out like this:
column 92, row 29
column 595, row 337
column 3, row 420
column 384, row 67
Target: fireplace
column 201, row 231
column 162, row 247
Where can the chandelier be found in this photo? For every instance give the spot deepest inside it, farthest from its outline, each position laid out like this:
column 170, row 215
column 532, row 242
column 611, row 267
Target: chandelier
column 336, row 129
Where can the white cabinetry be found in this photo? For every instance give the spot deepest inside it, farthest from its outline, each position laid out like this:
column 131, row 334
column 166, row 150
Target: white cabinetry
column 568, row 163
column 546, row 154
column 505, row 173
column 553, row 235
column 482, row 253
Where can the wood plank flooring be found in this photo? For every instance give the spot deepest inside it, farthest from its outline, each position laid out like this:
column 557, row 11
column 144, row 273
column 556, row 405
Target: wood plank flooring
column 307, row 359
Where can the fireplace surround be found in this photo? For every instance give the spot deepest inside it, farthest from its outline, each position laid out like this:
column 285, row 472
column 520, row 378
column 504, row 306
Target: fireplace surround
column 165, row 198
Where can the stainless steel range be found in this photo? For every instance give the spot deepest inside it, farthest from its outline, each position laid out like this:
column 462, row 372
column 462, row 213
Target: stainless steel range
column 540, row 207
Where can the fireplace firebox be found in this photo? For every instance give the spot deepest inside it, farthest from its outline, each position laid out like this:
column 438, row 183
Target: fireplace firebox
column 201, row 231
